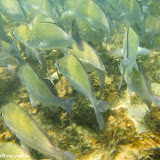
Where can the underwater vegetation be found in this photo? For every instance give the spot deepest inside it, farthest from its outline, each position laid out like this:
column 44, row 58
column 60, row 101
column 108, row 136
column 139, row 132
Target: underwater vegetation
column 80, row 79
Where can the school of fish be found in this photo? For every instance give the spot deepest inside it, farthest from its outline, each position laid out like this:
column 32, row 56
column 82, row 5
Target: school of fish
column 71, row 27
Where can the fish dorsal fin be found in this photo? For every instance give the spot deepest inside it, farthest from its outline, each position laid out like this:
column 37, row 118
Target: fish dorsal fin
column 147, row 81
column 76, row 36
column 127, row 54
column 50, row 86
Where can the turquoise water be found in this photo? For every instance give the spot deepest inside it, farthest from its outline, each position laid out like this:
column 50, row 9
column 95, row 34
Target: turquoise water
column 39, row 33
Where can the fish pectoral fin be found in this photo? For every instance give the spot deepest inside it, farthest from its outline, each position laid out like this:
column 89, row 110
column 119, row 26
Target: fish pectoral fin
column 116, row 52
column 121, row 81
column 33, row 101
column 136, row 66
column 42, row 43
column 129, row 91
column 144, row 51
column 102, row 106
column 69, row 104
column 101, row 75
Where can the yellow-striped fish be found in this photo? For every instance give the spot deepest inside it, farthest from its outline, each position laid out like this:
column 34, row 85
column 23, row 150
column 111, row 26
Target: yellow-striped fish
column 29, row 133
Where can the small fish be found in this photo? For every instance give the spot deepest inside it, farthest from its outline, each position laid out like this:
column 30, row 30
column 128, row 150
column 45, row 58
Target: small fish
column 119, row 52
column 21, row 33
column 130, row 50
column 152, row 26
column 10, row 55
column 140, row 85
column 131, row 7
column 3, row 34
column 13, row 10
column 50, row 36
column 30, row 134
column 11, row 150
column 39, row 92
column 88, row 33
column 132, row 14
column 72, row 5
column 93, row 15
column 73, row 70
column 34, row 8
column 91, row 62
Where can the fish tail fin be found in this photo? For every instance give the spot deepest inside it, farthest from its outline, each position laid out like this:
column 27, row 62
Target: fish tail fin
column 68, row 107
column 60, row 154
column 99, row 118
column 152, row 98
column 69, row 155
column 156, row 100
column 100, row 106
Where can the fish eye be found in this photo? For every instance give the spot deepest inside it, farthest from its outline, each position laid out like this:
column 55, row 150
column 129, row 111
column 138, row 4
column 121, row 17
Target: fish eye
column 29, row 40
column 66, row 53
column 59, row 63
column 13, row 34
column 1, row 114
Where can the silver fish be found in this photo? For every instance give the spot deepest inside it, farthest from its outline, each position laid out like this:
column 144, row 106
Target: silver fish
column 140, row 84
column 11, row 150
column 29, row 133
column 130, row 50
column 119, row 52
column 3, row 34
column 39, row 92
column 73, row 70
column 91, row 62
column 93, row 15
column 21, row 33
column 10, row 55
column 13, row 10
column 50, row 36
